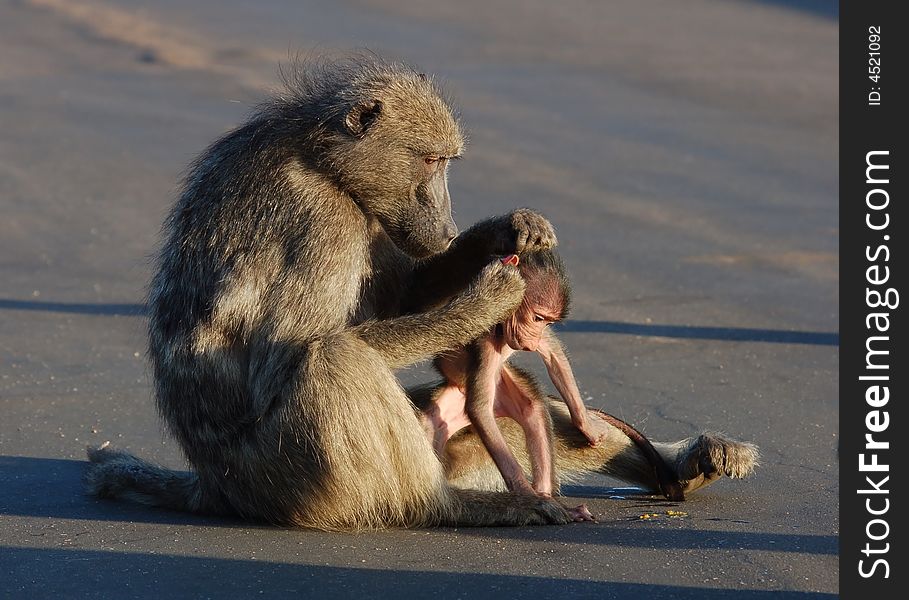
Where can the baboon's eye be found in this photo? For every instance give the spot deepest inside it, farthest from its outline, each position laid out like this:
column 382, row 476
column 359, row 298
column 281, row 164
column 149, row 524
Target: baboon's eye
column 539, row 318
column 431, row 160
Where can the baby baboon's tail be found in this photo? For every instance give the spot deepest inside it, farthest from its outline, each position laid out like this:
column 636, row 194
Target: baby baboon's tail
column 118, row 474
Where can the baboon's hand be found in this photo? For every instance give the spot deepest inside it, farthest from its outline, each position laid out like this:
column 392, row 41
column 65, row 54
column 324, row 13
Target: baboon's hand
column 524, row 230
column 501, row 286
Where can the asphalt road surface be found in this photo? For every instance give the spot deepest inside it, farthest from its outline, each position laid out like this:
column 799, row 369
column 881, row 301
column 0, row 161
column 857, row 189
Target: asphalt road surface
column 686, row 151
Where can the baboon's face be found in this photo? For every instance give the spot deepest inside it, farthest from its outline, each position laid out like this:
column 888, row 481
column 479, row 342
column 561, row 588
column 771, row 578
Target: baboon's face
column 397, row 165
column 428, row 227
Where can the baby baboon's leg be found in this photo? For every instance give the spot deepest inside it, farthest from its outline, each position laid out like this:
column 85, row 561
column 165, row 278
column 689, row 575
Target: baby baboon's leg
column 444, row 416
column 528, row 408
column 427, row 399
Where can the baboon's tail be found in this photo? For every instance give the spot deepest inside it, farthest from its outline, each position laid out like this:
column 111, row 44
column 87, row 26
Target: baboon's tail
column 665, row 475
column 118, row 474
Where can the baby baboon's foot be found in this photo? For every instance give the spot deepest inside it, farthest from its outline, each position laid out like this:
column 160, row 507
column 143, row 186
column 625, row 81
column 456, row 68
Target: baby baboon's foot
column 581, row 513
column 710, row 456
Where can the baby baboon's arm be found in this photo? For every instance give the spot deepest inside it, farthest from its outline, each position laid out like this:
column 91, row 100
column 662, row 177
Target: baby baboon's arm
column 525, row 404
column 484, row 374
column 559, row 369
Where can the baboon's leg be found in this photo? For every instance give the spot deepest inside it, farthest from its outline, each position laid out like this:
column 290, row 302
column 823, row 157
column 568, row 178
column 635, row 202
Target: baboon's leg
column 117, row 474
column 350, row 455
column 380, row 469
column 706, row 458
column 698, row 461
column 477, row 508
column 665, row 474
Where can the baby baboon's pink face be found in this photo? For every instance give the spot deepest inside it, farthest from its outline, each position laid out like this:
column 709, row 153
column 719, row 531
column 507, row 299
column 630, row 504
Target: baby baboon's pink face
column 525, row 327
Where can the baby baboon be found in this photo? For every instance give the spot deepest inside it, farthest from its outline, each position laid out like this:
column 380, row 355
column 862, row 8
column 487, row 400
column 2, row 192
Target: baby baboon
column 480, row 385
column 311, row 252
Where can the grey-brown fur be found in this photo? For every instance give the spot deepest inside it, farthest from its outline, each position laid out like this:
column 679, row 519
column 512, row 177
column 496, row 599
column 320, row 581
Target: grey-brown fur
column 307, row 256
column 698, row 461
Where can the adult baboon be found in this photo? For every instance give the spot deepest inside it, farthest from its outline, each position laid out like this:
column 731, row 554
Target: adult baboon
column 308, row 255
column 312, row 251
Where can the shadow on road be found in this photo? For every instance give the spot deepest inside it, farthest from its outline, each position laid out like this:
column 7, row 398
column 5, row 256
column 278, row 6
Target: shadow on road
column 76, row 308
column 733, row 334
column 88, row 573
column 829, row 9
column 636, row 534
column 45, row 487
column 51, row 487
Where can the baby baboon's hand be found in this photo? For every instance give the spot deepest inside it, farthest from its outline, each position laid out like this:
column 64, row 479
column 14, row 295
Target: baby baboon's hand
column 581, row 513
column 524, row 230
column 594, row 430
column 593, row 436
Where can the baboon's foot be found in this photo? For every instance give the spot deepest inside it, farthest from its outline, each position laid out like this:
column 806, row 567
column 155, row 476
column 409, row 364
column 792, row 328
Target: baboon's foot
column 551, row 512
column 485, row 509
column 708, row 457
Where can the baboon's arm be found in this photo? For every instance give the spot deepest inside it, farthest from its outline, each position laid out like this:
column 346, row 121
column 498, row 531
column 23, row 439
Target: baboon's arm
column 444, row 275
column 404, row 340
column 441, row 276
column 559, row 369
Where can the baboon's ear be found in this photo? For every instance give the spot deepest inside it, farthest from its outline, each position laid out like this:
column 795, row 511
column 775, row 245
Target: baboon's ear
column 362, row 116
